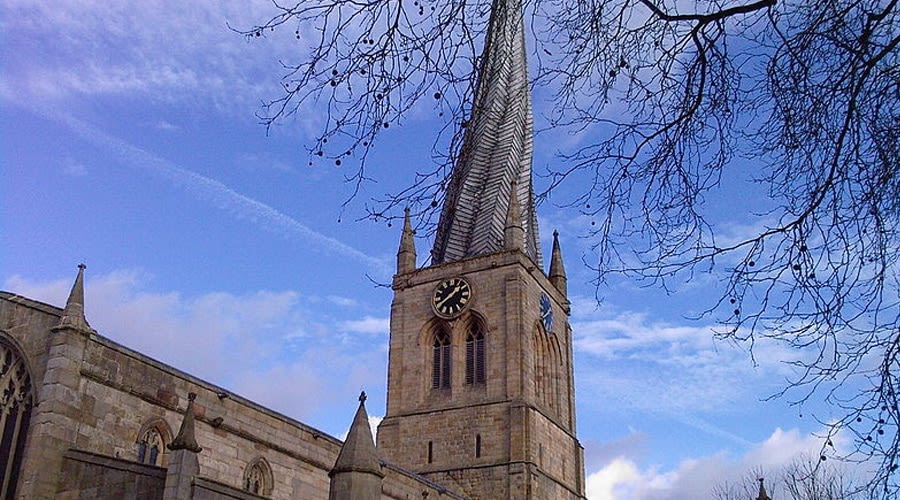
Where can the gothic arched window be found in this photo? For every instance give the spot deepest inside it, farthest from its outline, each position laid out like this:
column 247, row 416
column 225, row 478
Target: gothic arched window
column 152, row 440
column 475, row 362
column 539, row 364
column 258, row 477
column 16, row 401
column 150, row 446
column 441, row 360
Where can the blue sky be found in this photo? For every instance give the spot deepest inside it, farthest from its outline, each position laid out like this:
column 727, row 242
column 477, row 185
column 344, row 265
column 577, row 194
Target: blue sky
column 128, row 141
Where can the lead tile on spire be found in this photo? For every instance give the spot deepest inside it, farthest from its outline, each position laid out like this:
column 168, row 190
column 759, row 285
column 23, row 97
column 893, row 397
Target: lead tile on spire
column 496, row 150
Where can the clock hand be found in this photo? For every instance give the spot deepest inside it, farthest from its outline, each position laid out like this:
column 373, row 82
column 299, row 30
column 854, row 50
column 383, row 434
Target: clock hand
column 449, row 296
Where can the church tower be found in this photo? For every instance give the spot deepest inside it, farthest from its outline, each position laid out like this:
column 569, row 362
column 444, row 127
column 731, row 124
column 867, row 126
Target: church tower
column 480, row 380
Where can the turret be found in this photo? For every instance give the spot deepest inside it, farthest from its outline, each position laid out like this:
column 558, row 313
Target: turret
column 406, row 255
column 184, row 464
column 73, row 314
column 185, row 439
column 357, row 473
column 59, row 405
column 557, row 273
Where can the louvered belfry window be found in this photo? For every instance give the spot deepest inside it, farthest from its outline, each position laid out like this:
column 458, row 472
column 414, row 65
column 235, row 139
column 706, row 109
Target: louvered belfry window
column 475, row 365
column 16, row 400
column 440, row 370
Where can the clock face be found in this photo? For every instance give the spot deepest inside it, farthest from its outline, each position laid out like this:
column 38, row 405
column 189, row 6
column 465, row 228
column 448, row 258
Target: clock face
column 451, row 297
column 546, row 312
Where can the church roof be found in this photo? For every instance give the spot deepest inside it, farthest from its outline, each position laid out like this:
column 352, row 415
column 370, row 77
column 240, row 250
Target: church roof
column 496, row 152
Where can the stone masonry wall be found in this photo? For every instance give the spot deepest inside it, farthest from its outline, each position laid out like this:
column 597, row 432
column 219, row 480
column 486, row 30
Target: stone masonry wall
column 123, row 390
column 90, row 476
column 517, row 426
column 109, row 393
column 205, row 489
column 28, row 323
column 113, row 391
column 400, row 484
column 555, row 452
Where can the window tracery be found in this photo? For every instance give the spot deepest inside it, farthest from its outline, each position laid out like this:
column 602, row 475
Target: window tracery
column 150, row 446
column 258, row 477
column 151, row 442
column 16, row 402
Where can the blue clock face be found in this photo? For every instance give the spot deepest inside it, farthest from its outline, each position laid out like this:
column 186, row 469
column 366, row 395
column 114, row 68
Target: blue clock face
column 546, row 312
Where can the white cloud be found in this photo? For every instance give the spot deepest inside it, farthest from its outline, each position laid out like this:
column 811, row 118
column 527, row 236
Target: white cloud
column 622, row 479
column 170, row 51
column 367, row 325
column 239, row 341
column 165, row 125
column 74, row 168
column 342, row 301
column 212, row 191
column 374, row 422
column 49, row 292
column 373, row 426
column 681, row 369
column 614, row 481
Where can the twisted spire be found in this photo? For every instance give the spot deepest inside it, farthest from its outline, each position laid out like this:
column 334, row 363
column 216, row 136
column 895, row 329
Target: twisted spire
column 496, row 151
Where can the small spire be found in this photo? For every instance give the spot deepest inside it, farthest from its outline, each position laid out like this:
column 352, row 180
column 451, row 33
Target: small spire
column 73, row 314
column 185, row 439
column 762, row 491
column 557, row 270
column 358, row 452
column 406, row 256
column 513, row 233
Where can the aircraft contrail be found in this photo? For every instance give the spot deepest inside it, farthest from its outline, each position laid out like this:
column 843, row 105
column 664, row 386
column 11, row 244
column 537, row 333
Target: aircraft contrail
column 212, row 190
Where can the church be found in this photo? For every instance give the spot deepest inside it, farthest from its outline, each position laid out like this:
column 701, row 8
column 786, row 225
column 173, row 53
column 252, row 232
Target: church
column 480, row 398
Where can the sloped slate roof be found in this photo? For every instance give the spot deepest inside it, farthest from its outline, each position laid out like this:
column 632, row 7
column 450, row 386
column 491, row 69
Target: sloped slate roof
column 497, row 148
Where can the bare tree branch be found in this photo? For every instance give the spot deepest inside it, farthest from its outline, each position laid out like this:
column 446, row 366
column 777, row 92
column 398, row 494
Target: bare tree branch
column 668, row 98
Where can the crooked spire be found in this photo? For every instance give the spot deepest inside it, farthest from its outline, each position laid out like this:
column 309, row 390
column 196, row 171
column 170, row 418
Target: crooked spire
column 73, row 314
column 496, row 150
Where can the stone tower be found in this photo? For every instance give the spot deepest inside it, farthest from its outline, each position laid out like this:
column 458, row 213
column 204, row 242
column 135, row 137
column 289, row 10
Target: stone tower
column 480, row 381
